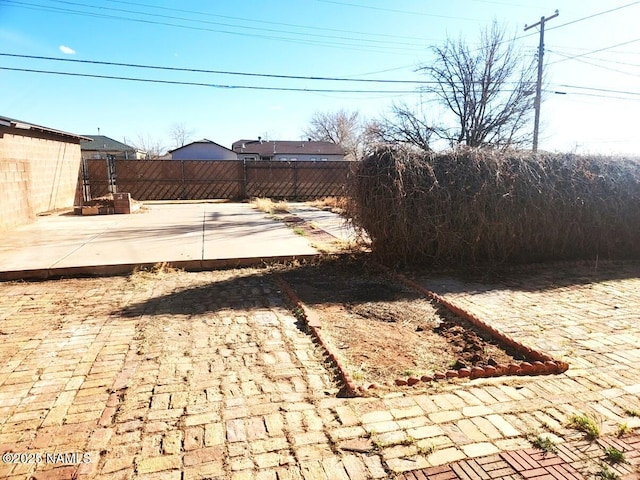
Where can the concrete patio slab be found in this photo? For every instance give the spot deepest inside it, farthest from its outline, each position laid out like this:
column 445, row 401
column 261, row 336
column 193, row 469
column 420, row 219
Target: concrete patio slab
column 325, row 220
column 188, row 235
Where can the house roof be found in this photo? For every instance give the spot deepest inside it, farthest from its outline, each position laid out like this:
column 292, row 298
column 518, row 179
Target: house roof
column 101, row 142
column 19, row 124
column 286, row 147
column 204, row 140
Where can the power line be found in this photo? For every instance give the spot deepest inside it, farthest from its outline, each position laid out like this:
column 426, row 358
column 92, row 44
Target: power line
column 609, row 69
column 245, row 19
column 211, row 85
column 218, row 72
column 572, row 57
column 597, row 59
column 370, row 7
column 249, row 74
column 395, row 69
column 215, row 85
column 596, row 89
column 576, row 21
column 242, row 27
column 382, row 47
column 613, row 97
column 225, row 72
column 594, row 15
column 582, row 49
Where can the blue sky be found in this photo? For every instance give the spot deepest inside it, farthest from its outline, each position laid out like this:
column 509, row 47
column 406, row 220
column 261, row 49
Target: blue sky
column 360, row 39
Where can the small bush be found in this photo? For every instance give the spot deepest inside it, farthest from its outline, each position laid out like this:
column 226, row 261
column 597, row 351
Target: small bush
column 472, row 207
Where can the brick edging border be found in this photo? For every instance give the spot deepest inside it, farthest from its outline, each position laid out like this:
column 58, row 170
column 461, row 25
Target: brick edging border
column 543, row 364
column 312, row 321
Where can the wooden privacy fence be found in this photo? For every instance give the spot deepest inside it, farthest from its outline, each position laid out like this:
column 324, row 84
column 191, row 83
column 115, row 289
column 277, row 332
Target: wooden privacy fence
column 200, row 179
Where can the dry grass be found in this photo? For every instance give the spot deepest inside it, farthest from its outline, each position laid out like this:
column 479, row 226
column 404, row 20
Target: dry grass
column 335, row 204
column 472, row 207
column 269, row 206
column 156, row 272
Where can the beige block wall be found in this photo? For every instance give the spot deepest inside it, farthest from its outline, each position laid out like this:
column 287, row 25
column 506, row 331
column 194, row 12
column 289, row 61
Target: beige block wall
column 37, row 174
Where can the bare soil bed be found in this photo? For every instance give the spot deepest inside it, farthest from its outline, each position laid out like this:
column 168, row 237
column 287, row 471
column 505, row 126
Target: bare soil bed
column 383, row 330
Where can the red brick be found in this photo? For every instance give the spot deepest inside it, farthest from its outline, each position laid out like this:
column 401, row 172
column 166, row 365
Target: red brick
column 477, row 468
column 502, row 472
column 514, row 461
column 107, row 416
column 450, row 475
column 523, row 459
column 550, row 460
column 488, row 459
column 435, row 470
column 463, row 473
column 536, row 472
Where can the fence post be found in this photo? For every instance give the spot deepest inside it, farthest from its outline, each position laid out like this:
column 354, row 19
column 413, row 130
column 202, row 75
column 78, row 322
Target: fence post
column 184, row 188
column 86, row 188
column 243, row 185
column 295, row 179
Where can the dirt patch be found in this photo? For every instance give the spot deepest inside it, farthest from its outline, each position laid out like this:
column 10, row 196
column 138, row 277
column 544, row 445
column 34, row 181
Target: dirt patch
column 382, row 330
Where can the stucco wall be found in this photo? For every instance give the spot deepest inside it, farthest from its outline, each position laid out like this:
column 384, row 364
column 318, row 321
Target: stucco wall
column 38, row 173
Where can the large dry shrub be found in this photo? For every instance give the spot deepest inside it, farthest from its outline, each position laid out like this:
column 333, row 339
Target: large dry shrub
column 472, row 207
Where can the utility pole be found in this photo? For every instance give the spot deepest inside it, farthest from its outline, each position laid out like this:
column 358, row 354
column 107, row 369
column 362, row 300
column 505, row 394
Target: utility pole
column 538, row 99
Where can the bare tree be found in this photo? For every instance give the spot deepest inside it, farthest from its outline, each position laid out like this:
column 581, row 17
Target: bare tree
column 405, row 126
column 342, row 128
column 153, row 147
column 180, row 134
column 487, row 89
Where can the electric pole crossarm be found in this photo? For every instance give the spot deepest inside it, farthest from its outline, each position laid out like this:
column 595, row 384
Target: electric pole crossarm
column 536, row 124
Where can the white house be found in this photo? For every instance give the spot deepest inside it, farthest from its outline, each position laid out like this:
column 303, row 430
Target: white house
column 203, row 150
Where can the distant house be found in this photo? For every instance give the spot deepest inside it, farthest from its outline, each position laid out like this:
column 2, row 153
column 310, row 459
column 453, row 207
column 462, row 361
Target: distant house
column 99, row 146
column 203, row 150
column 287, row 150
column 39, row 169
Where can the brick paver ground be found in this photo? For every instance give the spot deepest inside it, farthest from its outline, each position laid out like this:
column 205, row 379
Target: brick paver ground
column 208, row 375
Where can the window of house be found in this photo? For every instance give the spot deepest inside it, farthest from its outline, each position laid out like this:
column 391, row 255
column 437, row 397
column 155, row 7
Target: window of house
column 324, row 159
column 293, row 159
column 284, row 159
column 313, row 159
